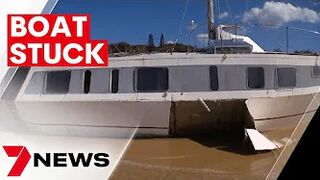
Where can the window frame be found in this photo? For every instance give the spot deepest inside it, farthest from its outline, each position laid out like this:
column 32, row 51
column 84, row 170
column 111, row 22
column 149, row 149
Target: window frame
column 136, row 79
column 111, row 75
column 84, row 81
column 264, row 77
column 277, row 78
column 217, row 78
column 45, row 86
column 312, row 72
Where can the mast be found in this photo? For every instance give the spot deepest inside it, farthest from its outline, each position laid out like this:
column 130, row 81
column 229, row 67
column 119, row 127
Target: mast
column 211, row 27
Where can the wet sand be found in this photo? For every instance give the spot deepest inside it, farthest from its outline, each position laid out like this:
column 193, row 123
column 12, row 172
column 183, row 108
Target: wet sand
column 201, row 157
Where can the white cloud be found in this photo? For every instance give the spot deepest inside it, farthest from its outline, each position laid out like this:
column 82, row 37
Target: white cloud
column 224, row 15
column 169, row 42
column 278, row 13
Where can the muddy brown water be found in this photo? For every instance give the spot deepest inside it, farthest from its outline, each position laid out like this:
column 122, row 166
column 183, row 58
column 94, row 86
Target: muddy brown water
column 198, row 157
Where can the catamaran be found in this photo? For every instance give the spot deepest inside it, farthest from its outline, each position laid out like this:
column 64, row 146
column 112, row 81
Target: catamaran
column 236, row 85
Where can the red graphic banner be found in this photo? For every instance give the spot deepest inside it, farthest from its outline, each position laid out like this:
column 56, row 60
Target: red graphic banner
column 53, row 40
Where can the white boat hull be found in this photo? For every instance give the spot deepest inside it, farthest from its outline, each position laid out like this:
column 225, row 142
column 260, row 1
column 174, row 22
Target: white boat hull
column 283, row 112
column 105, row 118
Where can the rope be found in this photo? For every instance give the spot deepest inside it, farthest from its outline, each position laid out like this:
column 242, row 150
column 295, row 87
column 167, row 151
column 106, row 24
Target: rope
column 181, row 24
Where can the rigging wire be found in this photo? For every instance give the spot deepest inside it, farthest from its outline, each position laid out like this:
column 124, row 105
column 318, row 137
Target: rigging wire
column 220, row 27
column 203, row 39
column 181, row 24
column 205, row 31
column 264, row 26
column 275, row 25
column 219, row 12
column 230, row 12
column 278, row 41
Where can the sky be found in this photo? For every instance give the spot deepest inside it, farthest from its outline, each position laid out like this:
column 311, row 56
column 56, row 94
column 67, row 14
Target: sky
column 264, row 21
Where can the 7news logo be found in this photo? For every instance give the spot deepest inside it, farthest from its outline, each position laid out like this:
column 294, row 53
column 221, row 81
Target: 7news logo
column 53, row 159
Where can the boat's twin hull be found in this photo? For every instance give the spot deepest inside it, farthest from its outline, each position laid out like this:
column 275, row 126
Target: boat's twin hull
column 113, row 118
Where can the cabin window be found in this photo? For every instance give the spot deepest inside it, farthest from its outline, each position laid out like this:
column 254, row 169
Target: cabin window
column 57, row 82
column 114, row 80
column 152, row 79
column 214, row 78
column 86, row 81
column 286, row 77
column 316, row 71
column 255, row 77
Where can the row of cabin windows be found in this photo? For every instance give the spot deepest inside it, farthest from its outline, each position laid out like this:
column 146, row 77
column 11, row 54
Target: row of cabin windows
column 156, row 79
column 286, row 77
column 57, row 82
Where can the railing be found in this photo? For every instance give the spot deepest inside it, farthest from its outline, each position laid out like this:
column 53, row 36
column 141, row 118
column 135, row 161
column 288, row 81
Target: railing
column 273, row 33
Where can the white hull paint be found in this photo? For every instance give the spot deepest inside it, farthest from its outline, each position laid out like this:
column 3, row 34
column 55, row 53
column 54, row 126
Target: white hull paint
column 281, row 113
column 97, row 118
